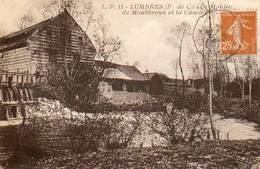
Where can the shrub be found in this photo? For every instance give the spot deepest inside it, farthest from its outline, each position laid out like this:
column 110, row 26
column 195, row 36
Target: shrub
column 121, row 131
column 183, row 118
column 74, row 85
column 54, row 130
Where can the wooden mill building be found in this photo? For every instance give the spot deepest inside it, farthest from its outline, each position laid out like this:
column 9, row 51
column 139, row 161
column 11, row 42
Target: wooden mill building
column 53, row 40
column 25, row 54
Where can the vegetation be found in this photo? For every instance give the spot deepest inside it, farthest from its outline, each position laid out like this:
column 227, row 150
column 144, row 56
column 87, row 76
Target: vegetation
column 183, row 119
column 51, row 130
column 77, row 89
column 208, row 155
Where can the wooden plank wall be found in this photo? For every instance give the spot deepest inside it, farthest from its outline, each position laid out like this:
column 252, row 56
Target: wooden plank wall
column 41, row 43
column 17, row 60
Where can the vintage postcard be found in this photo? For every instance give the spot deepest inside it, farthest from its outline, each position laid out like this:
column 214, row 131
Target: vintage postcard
column 129, row 84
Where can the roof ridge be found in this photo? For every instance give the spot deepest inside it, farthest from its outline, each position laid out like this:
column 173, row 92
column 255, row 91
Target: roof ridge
column 36, row 26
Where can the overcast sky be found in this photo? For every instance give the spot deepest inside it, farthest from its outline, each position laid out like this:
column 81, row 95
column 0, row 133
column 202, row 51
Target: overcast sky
column 144, row 37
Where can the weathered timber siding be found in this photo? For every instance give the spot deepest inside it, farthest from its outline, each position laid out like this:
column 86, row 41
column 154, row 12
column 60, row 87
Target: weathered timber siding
column 49, row 38
column 15, row 60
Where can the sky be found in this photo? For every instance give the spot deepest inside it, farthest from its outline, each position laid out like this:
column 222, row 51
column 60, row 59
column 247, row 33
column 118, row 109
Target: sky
column 145, row 37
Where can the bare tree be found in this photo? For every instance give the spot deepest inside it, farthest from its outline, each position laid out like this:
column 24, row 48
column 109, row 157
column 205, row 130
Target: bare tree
column 207, row 49
column 195, row 65
column 179, row 32
column 108, row 46
column 81, row 10
column 250, row 73
column 26, row 21
column 239, row 78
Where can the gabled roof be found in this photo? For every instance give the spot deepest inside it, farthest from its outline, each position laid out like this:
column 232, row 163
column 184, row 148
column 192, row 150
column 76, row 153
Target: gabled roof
column 19, row 38
column 126, row 72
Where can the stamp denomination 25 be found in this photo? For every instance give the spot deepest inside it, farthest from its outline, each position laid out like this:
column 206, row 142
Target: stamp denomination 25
column 238, row 33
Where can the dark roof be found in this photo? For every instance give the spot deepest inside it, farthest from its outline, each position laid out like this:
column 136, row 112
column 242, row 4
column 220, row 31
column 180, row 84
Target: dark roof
column 130, row 71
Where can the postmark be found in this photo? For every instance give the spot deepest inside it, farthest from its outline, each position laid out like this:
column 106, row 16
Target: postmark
column 238, row 33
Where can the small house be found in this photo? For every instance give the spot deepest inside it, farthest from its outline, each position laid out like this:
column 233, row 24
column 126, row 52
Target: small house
column 122, row 84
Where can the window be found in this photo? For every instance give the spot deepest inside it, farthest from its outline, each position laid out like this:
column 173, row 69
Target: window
column 80, row 40
column 76, row 58
column 65, row 35
column 124, row 88
column 53, row 56
column 117, row 86
column 49, row 34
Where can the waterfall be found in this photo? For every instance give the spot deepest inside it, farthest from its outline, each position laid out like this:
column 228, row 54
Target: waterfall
column 21, row 94
column 11, row 94
column 26, row 98
column 30, row 94
column 6, row 95
column 17, row 93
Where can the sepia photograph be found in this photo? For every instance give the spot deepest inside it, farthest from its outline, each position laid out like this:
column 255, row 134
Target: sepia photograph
column 129, row 84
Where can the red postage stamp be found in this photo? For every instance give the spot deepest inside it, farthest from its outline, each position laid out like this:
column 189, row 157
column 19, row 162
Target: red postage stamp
column 238, row 33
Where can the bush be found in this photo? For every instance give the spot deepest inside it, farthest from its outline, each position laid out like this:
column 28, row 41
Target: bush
column 183, row 118
column 121, row 131
column 52, row 130
column 74, row 85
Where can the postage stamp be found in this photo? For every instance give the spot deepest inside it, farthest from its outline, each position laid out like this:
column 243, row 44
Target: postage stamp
column 238, row 32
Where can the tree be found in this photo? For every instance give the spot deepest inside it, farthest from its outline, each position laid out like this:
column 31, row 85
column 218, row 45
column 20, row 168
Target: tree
column 239, row 79
column 209, row 50
column 180, row 31
column 79, row 91
column 81, row 10
column 195, row 66
column 108, row 46
column 199, row 40
column 250, row 73
column 26, row 21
